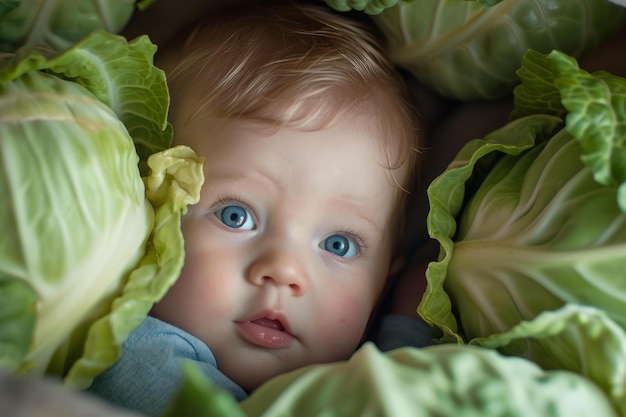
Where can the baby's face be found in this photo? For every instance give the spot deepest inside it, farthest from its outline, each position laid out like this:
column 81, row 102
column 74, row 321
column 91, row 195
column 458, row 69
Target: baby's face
column 289, row 247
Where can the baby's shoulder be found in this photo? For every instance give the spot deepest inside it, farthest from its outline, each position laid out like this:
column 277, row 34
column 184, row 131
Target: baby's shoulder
column 162, row 338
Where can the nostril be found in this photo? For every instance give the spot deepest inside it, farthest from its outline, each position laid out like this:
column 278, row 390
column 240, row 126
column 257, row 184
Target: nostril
column 270, row 280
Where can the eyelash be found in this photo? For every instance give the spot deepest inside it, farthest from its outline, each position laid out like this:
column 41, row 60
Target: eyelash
column 227, row 200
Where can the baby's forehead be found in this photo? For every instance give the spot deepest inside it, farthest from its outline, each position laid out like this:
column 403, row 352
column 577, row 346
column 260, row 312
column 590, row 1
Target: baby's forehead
column 348, row 146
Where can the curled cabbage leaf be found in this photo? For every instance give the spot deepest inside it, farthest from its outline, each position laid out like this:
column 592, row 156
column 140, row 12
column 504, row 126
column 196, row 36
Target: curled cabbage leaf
column 88, row 243
column 467, row 51
column 531, row 222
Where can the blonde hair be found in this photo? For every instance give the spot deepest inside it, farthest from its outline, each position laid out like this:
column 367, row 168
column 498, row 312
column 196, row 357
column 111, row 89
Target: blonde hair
column 292, row 64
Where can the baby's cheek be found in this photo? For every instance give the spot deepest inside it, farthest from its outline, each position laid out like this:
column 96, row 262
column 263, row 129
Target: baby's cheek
column 345, row 324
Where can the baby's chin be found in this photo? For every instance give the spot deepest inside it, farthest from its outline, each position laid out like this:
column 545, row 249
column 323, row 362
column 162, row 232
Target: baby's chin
column 251, row 366
column 251, row 377
column 254, row 372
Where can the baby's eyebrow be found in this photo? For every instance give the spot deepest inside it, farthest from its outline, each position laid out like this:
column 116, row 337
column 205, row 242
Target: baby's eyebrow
column 357, row 208
column 238, row 174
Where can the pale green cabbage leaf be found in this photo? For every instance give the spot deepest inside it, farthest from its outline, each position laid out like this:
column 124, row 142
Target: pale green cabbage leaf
column 466, row 50
column 437, row 381
column 531, row 220
column 88, row 244
column 577, row 338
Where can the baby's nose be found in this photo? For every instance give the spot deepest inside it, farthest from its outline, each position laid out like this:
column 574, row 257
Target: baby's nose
column 281, row 266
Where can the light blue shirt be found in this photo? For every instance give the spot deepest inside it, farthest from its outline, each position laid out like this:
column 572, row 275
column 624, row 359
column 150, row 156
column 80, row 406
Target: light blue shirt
column 149, row 372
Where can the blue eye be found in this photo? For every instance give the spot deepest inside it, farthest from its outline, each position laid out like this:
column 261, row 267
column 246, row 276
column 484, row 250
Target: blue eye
column 340, row 245
column 235, row 217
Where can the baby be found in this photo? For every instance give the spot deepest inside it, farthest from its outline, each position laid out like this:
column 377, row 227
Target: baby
column 311, row 147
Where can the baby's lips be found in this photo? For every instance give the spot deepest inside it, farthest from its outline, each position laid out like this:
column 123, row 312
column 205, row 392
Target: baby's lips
column 271, row 323
column 264, row 336
column 267, row 329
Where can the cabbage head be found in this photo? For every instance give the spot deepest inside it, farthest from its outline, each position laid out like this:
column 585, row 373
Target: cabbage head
column 470, row 49
column 531, row 222
column 88, row 244
column 60, row 23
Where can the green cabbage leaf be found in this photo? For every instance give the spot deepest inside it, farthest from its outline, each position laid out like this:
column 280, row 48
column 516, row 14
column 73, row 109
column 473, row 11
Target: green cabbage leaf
column 59, row 24
column 577, row 338
column 443, row 381
column 119, row 74
column 88, row 243
column 531, row 222
column 466, row 50
column 368, row 6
